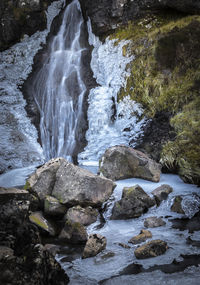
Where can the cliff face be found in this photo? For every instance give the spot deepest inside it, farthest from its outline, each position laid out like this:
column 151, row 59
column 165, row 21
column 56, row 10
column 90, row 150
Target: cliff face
column 19, row 17
column 107, row 15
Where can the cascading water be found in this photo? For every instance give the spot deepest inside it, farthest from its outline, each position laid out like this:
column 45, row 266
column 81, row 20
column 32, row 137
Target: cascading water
column 59, row 88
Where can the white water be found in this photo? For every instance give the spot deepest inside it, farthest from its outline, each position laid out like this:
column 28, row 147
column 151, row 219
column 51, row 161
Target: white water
column 106, row 128
column 59, row 89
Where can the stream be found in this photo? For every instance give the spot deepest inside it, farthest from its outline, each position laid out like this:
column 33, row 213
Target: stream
column 115, row 259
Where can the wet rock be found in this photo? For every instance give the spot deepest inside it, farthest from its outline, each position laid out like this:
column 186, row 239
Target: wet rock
column 75, row 185
column 161, row 193
column 42, row 181
column 107, row 255
column 73, row 233
column 39, row 220
column 176, row 206
column 95, row 244
column 190, row 224
column 154, row 222
column 84, row 216
column 133, row 204
column 151, row 249
column 52, row 207
column 121, row 162
column 143, row 236
column 124, row 245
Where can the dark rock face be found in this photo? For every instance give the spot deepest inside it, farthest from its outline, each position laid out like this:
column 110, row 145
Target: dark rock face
column 107, row 15
column 19, row 18
column 23, row 260
column 133, row 204
column 155, row 133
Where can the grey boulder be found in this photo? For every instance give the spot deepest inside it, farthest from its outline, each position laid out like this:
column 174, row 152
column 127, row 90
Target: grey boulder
column 75, row 185
column 133, row 204
column 121, row 162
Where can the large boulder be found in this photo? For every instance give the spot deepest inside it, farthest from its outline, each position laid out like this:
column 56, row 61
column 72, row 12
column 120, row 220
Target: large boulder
column 151, row 249
column 70, row 184
column 161, row 193
column 95, row 244
column 43, row 179
column 84, row 216
column 133, row 204
column 75, row 185
column 121, row 162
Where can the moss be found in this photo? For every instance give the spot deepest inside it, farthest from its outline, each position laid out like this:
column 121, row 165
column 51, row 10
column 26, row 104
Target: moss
column 39, row 222
column 165, row 77
column 27, row 186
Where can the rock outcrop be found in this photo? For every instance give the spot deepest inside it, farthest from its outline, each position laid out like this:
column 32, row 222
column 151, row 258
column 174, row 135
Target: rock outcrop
column 20, row 17
column 23, row 259
column 121, row 162
column 95, row 244
column 107, row 15
column 151, row 249
column 133, row 204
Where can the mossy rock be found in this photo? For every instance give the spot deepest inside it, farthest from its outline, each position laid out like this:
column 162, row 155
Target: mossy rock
column 165, row 78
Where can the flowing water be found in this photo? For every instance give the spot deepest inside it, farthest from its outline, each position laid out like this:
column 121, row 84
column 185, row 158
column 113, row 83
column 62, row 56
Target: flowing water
column 59, row 88
column 112, row 261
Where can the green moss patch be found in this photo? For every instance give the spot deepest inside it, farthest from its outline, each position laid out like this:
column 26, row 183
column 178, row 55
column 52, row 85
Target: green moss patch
column 165, row 76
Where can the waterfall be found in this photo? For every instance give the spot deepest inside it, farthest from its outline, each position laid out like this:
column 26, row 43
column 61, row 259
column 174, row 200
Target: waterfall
column 59, row 88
